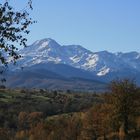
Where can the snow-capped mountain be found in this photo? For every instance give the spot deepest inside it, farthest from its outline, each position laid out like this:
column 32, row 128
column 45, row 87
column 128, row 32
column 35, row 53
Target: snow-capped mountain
column 48, row 50
column 46, row 56
column 98, row 63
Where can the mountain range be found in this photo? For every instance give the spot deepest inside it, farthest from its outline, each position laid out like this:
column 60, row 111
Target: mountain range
column 47, row 64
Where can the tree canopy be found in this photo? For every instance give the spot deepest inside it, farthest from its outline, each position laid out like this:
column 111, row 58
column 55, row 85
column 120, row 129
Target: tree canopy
column 124, row 106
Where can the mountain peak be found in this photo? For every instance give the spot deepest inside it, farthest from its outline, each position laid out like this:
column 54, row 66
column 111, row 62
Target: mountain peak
column 99, row 63
column 46, row 41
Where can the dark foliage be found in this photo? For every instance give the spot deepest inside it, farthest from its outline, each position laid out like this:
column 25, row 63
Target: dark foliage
column 13, row 28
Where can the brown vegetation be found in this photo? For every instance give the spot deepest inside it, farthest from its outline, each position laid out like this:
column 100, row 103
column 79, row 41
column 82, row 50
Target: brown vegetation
column 40, row 115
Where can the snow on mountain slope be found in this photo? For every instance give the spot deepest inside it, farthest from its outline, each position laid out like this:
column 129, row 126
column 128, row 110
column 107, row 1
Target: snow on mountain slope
column 47, row 50
column 131, row 58
column 99, row 63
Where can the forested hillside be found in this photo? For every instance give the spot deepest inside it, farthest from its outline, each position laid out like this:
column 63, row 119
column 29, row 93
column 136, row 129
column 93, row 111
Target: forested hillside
column 58, row 115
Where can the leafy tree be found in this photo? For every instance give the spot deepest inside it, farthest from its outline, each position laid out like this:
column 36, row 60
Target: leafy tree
column 13, row 28
column 95, row 122
column 123, row 103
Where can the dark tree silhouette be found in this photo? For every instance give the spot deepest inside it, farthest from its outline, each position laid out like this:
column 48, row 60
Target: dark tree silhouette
column 13, row 28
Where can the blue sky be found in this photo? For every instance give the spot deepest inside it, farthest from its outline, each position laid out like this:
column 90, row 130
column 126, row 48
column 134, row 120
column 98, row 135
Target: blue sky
column 97, row 25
